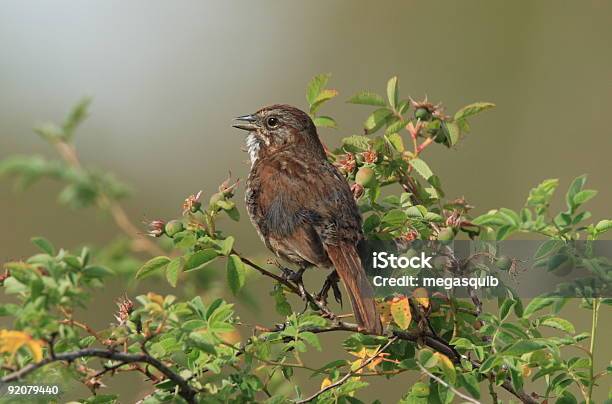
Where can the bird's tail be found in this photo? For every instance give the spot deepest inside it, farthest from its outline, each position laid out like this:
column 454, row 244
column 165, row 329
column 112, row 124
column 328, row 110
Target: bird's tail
column 348, row 265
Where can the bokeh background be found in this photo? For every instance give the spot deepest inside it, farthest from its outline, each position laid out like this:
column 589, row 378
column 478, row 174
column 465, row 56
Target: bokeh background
column 167, row 78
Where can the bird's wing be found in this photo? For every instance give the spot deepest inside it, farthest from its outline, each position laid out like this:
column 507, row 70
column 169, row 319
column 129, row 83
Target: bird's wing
column 307, row 210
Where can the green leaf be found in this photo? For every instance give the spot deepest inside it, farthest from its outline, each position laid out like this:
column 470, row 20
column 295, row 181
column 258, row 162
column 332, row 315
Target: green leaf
column 44, row 244
column 315, row 86
column 470, row 383
column 200, row 259
column 325, row 95
column 377, row 119
column 50, row 132
column 536, row 304
column 472, row 109
column 522, row 347
column 568, row 398
column 356, row 143
column 504, row 310
column 203, row 342
column 603, row 226
column 454, row 132
column 173, row 270
column 574, row 188
column 367, row 98
column 151, row 266
column 371, row 223
column 185, row 239
column 583, row 196
column 540, row 196
column 396, row 141
column 325, row 122
column 96, row 271
column 227, row 245
column 311, row 339
column 394, row 217
column 547, row 248
column 233, row 214
column 560, row 324
column 281, row 303
column 421, row 167
column 510, row 216
column 395, row 127
column 77, row 115
column 235, row 273
column 392, row 93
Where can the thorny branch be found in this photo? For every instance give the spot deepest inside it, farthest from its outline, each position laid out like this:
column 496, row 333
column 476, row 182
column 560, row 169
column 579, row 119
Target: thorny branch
column 434, row 342
column 185, row 390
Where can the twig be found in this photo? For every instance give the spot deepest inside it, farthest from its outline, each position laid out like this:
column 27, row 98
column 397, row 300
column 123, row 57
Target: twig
column 349, row 374
column 436, row 343
column 448, row 386
column 185, row 390
column 68, row 153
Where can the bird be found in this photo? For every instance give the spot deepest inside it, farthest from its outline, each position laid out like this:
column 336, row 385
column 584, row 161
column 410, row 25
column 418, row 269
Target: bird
column 301, row 205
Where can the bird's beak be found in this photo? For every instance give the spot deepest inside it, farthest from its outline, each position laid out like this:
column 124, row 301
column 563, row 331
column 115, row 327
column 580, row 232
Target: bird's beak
column 247, row 122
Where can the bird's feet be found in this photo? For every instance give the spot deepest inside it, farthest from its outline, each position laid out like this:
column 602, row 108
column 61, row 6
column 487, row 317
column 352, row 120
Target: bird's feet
column 293, row 276
column 331, row 282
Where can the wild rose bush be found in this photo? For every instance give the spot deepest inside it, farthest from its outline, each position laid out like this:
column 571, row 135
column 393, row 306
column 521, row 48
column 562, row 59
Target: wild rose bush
column 190, row 350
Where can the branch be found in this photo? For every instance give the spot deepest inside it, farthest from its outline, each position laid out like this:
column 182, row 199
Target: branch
column 432, row 341
column 185, row 390
column 349, row 374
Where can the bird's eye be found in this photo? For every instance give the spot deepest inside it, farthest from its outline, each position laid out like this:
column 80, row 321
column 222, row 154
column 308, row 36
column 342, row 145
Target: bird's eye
column 272, row 122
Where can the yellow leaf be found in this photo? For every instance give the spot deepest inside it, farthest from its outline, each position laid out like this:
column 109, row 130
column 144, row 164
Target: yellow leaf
column 326, row 382
column 444, row 360
column 384, row 308
column 154, row 297
column 421, row 296
column 230, row 337
column 365, row 354
column 525, row 370
column 400, row 310
column 11, row 341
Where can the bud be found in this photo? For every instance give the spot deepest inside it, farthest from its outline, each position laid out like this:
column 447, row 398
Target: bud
column 347, row 164
column 94, row 383
column 192, row 203
column 126, row 306
column 214, row 198
column 4, row 276
column 425, row 110
column 446, row 234
column 561, row 264
column 156, row 228
column 227, row 189
column 454, row 219
column 365, row 177
column 410, row 235
column 503, row 263
column 422, row 114
column 357, row 190
column 173, row 227
column 370, row 156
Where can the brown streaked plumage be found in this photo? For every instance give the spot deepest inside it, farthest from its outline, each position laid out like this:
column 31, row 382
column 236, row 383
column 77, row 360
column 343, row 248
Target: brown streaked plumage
column 301, row 206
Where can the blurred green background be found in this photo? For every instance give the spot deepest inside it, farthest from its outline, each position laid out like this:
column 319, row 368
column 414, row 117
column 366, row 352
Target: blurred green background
column 167, row 78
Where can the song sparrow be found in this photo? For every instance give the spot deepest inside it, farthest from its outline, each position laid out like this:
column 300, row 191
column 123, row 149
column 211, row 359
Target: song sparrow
column 301, row 205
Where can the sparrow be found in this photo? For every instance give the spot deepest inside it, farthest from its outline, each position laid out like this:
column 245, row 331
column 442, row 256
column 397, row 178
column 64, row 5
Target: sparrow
column 302, row 206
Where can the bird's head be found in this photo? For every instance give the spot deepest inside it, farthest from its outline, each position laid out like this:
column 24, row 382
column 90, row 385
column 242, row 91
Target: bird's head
column 277, row 126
